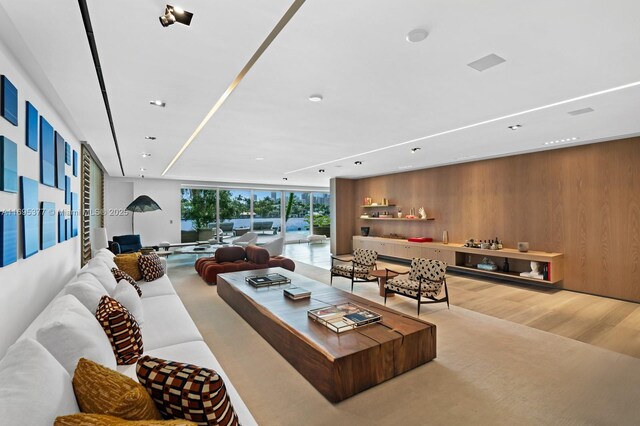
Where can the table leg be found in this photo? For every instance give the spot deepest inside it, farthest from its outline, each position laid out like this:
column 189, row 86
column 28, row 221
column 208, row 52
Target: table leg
column 381, row 282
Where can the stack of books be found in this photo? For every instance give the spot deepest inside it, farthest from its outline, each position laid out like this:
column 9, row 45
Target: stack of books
column 296, row 293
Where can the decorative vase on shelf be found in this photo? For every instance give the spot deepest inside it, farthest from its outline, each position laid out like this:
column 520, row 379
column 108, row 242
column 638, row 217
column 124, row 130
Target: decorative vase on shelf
column 445, row 237
column 505, row 265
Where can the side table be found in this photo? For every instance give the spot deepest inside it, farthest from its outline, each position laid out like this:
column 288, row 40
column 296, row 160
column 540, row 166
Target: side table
column 381, row 274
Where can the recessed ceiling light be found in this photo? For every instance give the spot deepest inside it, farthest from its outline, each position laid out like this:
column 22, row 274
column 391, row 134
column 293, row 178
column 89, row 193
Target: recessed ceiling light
column 150, row 138
column 321, row 171
column 142, row 169
column 357, row 163
column 417, row 35
column 486, row 62
column 259, row 158
column 557, row 141
column 158, row 102
column 414, row 150
column 515, row 126
column 285, row 178
column 316, row 98
column 145, row 155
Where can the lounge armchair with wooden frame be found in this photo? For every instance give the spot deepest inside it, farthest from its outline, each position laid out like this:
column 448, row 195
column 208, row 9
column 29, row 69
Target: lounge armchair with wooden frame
column 424, row 280
column 357, row 269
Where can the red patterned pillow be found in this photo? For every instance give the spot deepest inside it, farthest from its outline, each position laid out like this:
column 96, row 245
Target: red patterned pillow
column 122, row 275
column 150, row 266
column 121, row 329
column 186, row 391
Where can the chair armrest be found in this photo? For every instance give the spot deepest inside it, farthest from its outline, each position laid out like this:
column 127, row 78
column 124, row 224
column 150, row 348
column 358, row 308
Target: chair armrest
column 339, row 259
column 115, row 248
column 364, row 264
column 395, row 272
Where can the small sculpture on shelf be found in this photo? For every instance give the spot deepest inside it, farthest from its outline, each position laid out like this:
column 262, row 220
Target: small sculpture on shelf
column 535, row 271
column 422, row 213
column 487, row 265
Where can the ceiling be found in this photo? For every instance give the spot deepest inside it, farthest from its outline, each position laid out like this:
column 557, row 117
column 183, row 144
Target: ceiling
column 382, row 94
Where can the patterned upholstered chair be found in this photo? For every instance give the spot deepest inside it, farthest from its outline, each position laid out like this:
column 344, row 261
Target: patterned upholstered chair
column 357, row 269
column 424, row 280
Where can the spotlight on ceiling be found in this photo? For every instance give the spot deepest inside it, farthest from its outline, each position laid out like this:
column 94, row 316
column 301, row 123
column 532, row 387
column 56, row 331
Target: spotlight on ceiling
column 315, row 98
column 357, row 163
column 515, row 126
column 417, row 35
column 175, row 14
column 414, row 150
column 285, row 178
column 158, row 103
column 321, row 171
column 150, row 138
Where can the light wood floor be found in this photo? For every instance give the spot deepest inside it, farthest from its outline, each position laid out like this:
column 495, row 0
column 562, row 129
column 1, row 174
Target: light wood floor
column 600, row 321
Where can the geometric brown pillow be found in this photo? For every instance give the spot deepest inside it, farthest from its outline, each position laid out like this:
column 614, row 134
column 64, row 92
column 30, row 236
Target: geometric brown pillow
column 186, row 391
column 82, row 419
column 122, row 275
column 121, row 329
column 150, row 266
column 128, row 263
column 101, row 390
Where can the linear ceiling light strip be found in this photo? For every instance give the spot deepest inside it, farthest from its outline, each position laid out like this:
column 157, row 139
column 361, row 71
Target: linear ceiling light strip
column 84, row 11
column 272, row 35
column 469, row 126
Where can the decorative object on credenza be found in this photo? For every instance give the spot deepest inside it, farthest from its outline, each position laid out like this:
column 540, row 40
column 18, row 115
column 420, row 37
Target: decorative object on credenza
column 523, row 247
column 485, row 245
column 422, row 213
column 420, row 239
column 535, row 271
column 366, row 201
column 142, row 204
column 47, row 225
column 8, row 165
column 32, row 127
column 8, row 238
column 9, row 100
column 494, row 245
column 445, row 237
column 505, row 265
column 394, row 236
column 487, row 265
column 30, row 219
column 364, row 231
column 47, row 154
column 364, row 215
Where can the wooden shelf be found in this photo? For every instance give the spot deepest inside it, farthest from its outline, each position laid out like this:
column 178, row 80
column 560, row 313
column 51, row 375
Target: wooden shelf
column 398, row 218
column 510, row 275
column 371, row 206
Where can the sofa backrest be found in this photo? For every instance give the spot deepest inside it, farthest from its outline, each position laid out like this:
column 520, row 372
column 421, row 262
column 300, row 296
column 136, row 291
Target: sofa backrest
column 257, row 255
column 128, row 243
column 229, row 254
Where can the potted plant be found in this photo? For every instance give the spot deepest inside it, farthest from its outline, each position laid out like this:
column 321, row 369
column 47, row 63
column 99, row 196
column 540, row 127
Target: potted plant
column 321, row 224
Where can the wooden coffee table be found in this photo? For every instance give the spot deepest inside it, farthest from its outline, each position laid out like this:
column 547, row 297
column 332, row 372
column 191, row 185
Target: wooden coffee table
column 337, row 365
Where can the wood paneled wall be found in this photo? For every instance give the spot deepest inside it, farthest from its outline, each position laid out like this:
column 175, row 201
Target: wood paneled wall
column 582, row 201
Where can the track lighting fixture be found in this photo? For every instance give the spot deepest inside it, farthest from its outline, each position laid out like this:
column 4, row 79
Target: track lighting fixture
column 175, row 14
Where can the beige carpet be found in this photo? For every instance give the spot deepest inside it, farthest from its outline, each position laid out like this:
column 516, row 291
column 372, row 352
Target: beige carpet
column 488, row 371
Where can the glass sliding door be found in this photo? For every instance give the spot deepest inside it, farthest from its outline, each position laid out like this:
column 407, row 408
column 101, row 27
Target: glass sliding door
column 296, row 216
column 266, row 214
column 198, row 214
column 321, row 217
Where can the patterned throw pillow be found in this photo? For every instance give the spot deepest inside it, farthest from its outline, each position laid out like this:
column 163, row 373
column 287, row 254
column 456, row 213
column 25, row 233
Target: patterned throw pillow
column 128, row 263
column 121, row 275
column 186, row 391
column 121, row 329
column 150, row 266
column 104, row 420
column 101, row 390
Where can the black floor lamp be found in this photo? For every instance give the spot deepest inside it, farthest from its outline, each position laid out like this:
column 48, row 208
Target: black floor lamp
column 142, row 204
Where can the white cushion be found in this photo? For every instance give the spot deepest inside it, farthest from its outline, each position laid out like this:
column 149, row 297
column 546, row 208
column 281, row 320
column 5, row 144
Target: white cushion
column 128, row 297
column 166, row 322
column 102, row 272
column 197, row 353
column 87, row 293
column 34, row 387
column 70, row 332
column 160, row 287
column 106, row 256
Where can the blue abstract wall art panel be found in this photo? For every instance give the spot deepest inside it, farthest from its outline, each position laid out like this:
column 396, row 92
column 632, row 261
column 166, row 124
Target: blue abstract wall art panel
column 47, row 225
column 67, row 222
column 60, row 143
column 47, row 154
column 67, row 154
column 8, row 238
column 75, row 214
column 67, row 190
column 29, row 209
column 62, row 228
column 8, row 165
column 9, row 101
column 32, row 127
column 75, row 163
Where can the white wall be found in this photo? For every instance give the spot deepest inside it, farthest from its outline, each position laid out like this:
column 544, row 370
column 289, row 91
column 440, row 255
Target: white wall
column 29, row 284
column 153, row 227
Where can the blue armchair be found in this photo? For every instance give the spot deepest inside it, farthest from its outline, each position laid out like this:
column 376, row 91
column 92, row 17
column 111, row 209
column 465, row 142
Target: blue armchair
column 125, row 244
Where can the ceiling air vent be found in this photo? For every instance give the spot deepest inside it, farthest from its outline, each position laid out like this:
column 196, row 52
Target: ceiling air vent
column 580, row 111
column 487, row 62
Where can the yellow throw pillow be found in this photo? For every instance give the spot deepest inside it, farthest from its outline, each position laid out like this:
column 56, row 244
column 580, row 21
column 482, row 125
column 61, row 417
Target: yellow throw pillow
column 103, row 420
column 100, row 390
column 128, row 263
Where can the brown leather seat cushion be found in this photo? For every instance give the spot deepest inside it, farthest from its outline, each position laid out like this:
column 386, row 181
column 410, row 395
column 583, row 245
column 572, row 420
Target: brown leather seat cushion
column 229, row 254
column 257, row 255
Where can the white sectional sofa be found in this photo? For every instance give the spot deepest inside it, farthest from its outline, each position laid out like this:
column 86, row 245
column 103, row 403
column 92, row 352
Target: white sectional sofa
column 168, row 332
